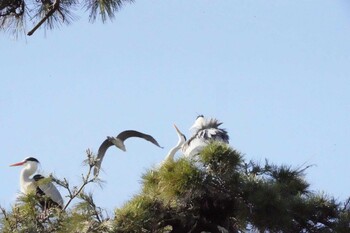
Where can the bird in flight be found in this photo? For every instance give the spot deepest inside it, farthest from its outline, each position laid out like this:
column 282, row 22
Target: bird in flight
column 119, row 142
column 47, row 192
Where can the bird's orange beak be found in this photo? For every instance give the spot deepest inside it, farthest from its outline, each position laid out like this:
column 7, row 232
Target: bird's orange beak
column 17, row 164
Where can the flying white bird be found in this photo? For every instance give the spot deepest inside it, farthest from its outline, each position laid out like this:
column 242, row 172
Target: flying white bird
column 205, row 131
column 119, row 142
column 51, row 197
column 172, row 152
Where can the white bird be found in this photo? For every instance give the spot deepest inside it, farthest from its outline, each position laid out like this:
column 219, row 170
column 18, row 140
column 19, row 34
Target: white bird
column 205, row 131
column 119, row 142
column 51, row 197
column 172, row 152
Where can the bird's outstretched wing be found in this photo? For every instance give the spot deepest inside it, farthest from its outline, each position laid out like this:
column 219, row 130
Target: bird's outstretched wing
column 110, row 141
column 133, row 133
column 101, row 153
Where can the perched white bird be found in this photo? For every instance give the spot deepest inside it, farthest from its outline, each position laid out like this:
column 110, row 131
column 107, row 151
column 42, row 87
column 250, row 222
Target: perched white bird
column 51, row 196
column 119, row 142
column 181, row 141
column 205, row 131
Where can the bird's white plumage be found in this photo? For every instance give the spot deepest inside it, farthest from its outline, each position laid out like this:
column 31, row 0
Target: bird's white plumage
column 181, row 141
column 198, row 124
column 205, row 131
column 29, row 185
column 195, row 147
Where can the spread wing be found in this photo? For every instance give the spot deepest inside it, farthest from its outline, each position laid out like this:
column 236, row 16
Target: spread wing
column 110, row 141
column 101, row 153
column 133, row 133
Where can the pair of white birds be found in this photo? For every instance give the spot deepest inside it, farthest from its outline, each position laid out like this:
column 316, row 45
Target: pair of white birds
column 204, row 132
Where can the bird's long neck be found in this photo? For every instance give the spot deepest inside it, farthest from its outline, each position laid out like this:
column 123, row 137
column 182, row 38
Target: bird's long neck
column 172, row 152
column 26, row 181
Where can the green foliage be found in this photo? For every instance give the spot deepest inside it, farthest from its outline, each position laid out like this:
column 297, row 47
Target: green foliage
column 343, row 221
column 141, row 214
column 220, row 159
column 16, row 14
column 84, row 217
column 104, row 8
column 27, row 216
column 173, row 179
column 217, row 191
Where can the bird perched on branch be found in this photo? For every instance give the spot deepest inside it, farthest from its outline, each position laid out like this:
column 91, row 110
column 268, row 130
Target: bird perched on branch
column 48, row 193
column 119, row 142
column 205, row 131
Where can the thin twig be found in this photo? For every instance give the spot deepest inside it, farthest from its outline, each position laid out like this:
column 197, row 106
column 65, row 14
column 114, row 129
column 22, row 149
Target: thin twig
column 77, row 192
column 4, row 213
column 346, row 204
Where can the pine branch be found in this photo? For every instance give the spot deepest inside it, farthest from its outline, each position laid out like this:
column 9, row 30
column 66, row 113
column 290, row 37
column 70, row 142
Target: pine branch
column 75, row 191
column 4, row 213
column 74, row 194
column 346, row 204
column 55, row 7
column 93, row 209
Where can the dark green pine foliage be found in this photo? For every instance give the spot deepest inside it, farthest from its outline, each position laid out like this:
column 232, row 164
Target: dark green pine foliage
column 27, row 216
column 17, row 15
column 217, row 192
column 220, row 192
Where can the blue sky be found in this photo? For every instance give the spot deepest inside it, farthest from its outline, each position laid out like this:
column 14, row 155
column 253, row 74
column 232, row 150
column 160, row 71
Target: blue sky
column 275, row 72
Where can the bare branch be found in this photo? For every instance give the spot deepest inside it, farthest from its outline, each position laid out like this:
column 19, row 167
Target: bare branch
column 86, row 180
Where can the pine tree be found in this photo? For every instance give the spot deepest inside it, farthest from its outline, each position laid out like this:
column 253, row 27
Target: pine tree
column 15, row 15
column 218, row 191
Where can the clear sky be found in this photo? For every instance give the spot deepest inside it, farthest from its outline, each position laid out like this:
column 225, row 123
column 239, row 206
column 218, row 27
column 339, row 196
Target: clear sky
column 276, row 73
